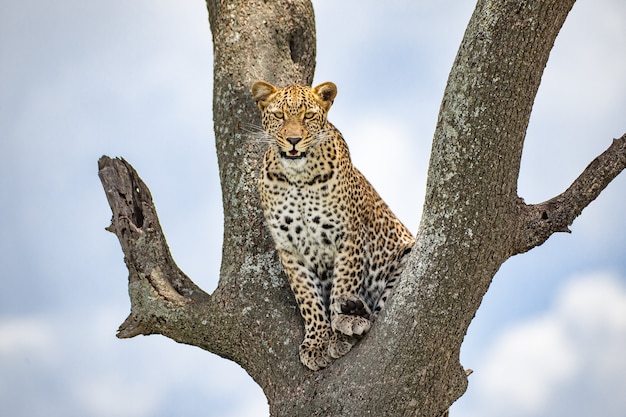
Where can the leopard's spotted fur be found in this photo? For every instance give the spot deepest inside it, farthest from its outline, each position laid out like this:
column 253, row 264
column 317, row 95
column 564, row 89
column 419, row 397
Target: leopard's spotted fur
column 340, row 245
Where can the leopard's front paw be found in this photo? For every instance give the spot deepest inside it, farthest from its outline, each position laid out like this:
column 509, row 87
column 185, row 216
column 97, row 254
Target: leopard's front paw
column 352, row 305
column 340, row 344
column 350, row 325
column 350, row 315
column 314, row 355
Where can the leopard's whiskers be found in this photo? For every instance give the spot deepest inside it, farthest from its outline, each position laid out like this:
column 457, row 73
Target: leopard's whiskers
column 256, row 133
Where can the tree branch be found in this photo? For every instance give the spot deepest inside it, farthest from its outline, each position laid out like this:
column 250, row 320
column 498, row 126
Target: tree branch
column 160, row 292
column 539, row 221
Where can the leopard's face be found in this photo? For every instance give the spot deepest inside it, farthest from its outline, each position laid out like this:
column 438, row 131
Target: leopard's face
column 294, row 117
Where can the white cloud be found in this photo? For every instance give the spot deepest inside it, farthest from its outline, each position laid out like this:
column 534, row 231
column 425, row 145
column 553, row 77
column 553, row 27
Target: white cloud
column 595, row 302
column 27, row 337
column 61, row 365
column 574, row 350
column 527, row 362
column 115, row 394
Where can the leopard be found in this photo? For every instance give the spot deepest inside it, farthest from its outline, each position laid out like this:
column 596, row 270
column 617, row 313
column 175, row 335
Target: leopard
column 340, row 245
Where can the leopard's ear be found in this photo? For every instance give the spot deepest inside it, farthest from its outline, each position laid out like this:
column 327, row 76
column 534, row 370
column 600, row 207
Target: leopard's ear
column 326, row 92
column 261, row 91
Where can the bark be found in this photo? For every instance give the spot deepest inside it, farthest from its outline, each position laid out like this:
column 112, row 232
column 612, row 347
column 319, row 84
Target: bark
column 473, row 219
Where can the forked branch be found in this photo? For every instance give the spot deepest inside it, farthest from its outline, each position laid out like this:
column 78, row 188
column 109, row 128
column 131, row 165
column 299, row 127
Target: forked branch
column 539, row 221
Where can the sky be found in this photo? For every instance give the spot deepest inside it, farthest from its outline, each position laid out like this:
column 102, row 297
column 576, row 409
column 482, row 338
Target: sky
column 134, row 79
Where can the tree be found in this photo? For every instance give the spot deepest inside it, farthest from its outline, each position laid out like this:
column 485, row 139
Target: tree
column 473, row 219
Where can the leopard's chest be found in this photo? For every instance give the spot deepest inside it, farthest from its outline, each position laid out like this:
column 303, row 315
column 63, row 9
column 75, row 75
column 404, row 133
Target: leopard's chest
column 306, row 219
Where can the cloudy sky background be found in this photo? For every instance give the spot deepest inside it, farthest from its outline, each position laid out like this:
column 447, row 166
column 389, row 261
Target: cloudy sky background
column 134, row 79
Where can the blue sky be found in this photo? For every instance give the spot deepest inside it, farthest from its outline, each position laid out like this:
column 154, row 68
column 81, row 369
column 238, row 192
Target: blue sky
column 134, row 79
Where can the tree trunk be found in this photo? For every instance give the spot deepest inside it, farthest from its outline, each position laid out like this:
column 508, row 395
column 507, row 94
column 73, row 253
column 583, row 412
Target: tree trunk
column 473, row 219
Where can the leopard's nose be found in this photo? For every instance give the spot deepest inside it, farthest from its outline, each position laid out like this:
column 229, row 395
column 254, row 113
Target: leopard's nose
column 293, row 139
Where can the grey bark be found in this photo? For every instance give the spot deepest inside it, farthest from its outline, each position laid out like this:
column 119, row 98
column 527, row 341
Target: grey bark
column 473, row 219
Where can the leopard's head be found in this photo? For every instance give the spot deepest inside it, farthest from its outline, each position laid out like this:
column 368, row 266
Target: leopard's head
column 294, row 117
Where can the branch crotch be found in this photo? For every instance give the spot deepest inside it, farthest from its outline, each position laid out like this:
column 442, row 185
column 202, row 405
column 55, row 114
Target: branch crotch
column 539, row 221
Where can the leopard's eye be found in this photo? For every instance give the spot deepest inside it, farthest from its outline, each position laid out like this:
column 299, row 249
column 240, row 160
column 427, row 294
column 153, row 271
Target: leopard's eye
column 278, row 114
column 309, row 115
